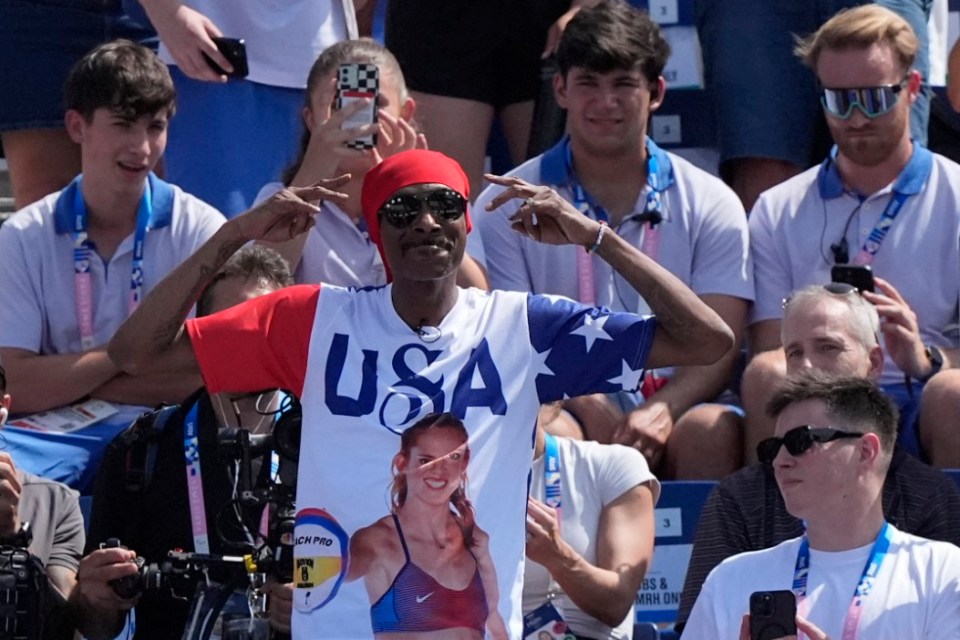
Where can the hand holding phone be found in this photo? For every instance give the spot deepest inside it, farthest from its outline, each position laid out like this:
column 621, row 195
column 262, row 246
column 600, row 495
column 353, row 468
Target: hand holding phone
column 859, row 276
column 359, row 81
column 235, row 51
column 773, row 614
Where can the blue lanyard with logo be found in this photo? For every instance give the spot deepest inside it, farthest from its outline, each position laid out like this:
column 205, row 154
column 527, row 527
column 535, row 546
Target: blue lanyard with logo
column 191, row 453
column 82, row 252
column 879, row 233
column 551, row 475
column 650, row 245
column 864, row 586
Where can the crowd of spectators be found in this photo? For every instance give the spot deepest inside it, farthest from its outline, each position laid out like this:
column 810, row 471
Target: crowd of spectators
column 510, row 398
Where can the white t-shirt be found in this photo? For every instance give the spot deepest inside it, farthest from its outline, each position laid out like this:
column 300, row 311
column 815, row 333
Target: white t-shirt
column 915, row 595
column 592, row 475
column 364, row 376
column 282, row 38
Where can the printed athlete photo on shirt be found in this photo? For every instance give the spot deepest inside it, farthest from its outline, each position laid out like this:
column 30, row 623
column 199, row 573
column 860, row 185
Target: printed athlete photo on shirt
column 364, row 378
column 426, row 566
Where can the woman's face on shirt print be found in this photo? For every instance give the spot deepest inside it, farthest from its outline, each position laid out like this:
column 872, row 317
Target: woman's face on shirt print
column 436, row 466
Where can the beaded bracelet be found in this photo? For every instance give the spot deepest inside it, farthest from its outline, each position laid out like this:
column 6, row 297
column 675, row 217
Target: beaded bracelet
column 596, row 245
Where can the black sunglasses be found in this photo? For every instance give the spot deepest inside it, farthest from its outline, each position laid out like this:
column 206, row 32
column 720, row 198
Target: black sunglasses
column 799, row 440
column 401, row 210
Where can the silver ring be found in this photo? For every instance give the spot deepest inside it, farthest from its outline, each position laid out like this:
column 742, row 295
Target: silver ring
column 529, row 536
column 528, row 202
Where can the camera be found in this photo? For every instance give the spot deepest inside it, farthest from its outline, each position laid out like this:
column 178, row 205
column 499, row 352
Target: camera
column 23, row 594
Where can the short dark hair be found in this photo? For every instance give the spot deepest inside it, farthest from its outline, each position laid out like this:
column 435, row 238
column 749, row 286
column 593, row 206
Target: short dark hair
column 253, row 262
column 613, row 35
column 856, row 401
column 122, row 76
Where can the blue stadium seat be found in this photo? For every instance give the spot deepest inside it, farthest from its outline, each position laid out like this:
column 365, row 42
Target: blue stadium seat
column 676, row 516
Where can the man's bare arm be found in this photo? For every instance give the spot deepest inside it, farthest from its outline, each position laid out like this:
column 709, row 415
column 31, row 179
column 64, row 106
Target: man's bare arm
column 41, row 382
column 688, row 331
column 153, row 338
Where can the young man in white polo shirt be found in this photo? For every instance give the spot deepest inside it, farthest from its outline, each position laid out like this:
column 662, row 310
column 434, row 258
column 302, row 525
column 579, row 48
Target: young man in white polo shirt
column 75, row 264
column 611, row 58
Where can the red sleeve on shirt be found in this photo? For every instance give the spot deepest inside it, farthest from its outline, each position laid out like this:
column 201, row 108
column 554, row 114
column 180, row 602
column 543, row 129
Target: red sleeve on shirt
column 262, row 343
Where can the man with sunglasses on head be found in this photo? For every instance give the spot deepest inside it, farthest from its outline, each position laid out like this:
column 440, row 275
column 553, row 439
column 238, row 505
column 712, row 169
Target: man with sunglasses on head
column 611, row 59
column 368, row 363
column 879, row 200
column 833, row 329
column 852, row 572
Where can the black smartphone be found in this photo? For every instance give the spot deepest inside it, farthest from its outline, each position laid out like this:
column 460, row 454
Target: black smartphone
column 859, row 276
column 773, row 614
column 359, row 81
column 235, row 51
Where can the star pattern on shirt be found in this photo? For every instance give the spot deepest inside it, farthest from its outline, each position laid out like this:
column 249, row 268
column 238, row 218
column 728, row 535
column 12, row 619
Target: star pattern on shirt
column 539, row 366
column 592, row 330
column 629, row 379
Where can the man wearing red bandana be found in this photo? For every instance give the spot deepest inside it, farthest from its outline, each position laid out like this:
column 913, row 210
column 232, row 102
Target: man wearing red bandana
column 369, row 363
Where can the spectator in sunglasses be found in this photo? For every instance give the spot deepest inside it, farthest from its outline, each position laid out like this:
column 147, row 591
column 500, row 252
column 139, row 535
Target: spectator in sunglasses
column 879, row 200
column 833, row 329
column 369, row 363
column 851, row 570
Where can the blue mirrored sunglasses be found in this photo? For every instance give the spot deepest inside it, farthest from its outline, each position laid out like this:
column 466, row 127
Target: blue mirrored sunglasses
column 873, row 102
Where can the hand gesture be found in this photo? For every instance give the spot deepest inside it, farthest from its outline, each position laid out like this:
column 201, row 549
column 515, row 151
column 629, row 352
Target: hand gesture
column 96, row 572
column 188, row 34
column 289, row 212
column 396, row 135
column 544, row 215
column 647, row 429
column 9, row 496
column 901, row 333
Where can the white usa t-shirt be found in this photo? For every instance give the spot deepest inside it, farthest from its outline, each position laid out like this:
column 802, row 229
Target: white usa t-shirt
column 364, row 376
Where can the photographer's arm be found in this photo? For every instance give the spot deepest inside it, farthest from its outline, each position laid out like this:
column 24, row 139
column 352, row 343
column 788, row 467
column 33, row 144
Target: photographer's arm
column 98, row 612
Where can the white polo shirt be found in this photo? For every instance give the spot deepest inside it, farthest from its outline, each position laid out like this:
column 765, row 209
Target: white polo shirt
column 37, row 294
column 703, row 237
column 793, row 225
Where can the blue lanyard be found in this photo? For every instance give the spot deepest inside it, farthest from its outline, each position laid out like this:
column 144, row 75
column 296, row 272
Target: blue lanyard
column 82, row 252
column 551, row 473
column 864, row 586
column 585, row 203
column 191, row 453
column 879, row 233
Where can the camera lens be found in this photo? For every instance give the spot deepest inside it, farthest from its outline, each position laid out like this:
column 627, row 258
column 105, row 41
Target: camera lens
column 762, row 605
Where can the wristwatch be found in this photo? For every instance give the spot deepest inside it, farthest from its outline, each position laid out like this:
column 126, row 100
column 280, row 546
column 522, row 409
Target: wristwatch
column 935, row 356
